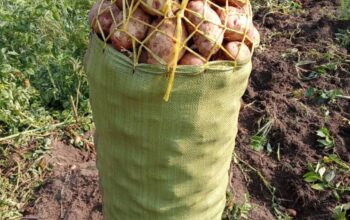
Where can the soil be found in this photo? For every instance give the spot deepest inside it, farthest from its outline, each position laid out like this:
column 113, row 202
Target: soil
column 271, row 92
column 72, row 190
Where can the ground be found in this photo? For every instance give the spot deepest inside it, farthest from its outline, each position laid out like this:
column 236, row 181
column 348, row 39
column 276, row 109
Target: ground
column 72, row 190
column 293, row 91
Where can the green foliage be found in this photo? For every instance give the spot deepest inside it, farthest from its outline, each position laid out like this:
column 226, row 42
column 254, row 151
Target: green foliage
column 323, row 175
column 325, row 139
column 316, row 176
column 260, row 140
column 343, row 38
column 345, row 9
column 286, row 6
column 314, row 64
column 340, row 212
column 241, row 211
column 42, row 44
column 236, row 211
column 323, row 96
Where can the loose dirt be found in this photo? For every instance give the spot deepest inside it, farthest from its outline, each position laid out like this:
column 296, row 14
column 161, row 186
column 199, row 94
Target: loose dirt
column 71, row 192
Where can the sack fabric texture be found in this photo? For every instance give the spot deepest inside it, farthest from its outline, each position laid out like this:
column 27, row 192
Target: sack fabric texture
column 162, row 160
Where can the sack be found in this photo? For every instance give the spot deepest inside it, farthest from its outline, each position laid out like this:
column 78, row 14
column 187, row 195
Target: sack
column 163, row 160
column 185, row 32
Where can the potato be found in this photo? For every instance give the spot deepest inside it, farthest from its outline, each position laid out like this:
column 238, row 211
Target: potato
column 122, row 40
column 119, row 3
column 239, row 52
column 163, row 45
column 210, row 28
column 254, row 37
column 190, row 59
column 238, row 3
column 237, row 21
column 159, row 7
column 102, row 11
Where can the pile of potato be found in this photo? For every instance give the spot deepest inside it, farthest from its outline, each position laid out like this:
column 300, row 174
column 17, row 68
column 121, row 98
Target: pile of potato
column 210, row 30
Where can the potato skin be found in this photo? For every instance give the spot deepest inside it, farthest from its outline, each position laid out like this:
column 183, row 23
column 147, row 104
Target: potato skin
column 119, row 3
column 121, row 40
column 239, row 52
column 105, row 17
column 237, row 20
column 210, row 27
column 254, row 37
column 163, row 45
column 158, row 7
column 238, row 3
column 190, row 59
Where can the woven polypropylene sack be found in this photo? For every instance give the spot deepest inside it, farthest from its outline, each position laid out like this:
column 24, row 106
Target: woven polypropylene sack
column 163, row 160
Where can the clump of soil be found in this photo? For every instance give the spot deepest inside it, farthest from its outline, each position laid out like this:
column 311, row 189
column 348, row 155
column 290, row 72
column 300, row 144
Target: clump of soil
column 72, row 191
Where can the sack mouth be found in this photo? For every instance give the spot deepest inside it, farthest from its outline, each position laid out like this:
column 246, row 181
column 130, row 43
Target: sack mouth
column 119, row 58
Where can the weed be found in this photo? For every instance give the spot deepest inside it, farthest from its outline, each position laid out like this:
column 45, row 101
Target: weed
column 241, row 211
column 260, row 140
column 325, row 140
column 322, row 176
column 343, row 38
column 277, row 209
column 285, row 6
column 317, row 70
column 340, row 212
column 316, row 175
column 235, row 211
column 314, row 64
column 41, row 47
column 345, row 9
column 324, row 96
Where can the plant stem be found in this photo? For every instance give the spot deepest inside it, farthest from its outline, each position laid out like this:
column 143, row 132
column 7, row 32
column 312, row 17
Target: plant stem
column 343, row 97
column 50, row 127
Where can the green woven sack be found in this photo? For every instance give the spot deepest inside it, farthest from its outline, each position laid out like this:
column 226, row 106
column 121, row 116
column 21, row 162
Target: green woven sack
column 163, row 160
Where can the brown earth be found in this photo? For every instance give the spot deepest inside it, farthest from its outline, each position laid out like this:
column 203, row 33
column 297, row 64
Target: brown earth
column 271, row 91
column 71, row 192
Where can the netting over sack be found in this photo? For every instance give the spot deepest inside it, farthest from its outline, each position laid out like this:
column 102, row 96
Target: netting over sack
column 172, row 32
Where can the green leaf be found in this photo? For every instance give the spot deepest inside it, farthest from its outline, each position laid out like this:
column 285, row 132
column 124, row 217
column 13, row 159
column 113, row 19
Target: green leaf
column 310, row 92
column 340, row 211
column 337, row 160
column 322, row 142
column 13, row 53
column 318, row 186
column 317, row 167
column 311, row 177
column 258, row 142
column 336, row 194
column 329, row 176
column 320, row 133
column 325, row 140
column 310, row 167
